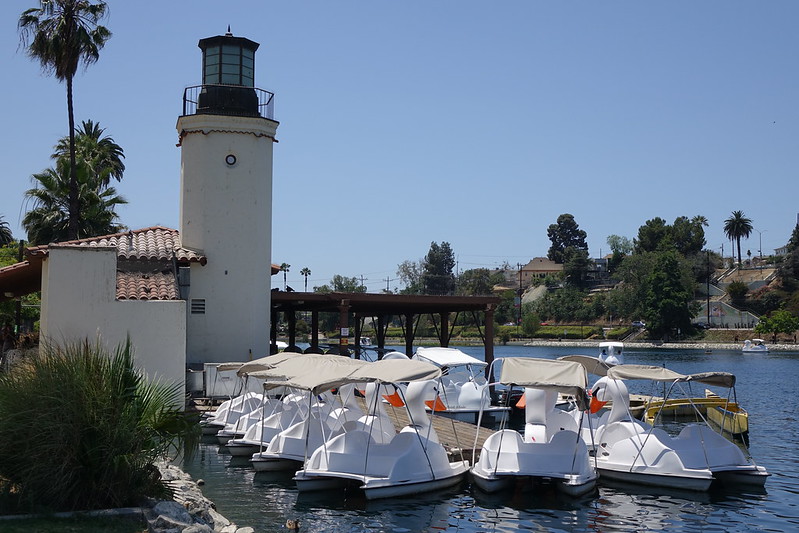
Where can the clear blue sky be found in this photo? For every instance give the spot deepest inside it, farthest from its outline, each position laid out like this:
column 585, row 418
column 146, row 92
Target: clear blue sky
column 475, row 123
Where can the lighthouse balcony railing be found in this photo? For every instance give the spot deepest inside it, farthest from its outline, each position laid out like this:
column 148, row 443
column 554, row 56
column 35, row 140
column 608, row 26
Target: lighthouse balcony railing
column 263, row 103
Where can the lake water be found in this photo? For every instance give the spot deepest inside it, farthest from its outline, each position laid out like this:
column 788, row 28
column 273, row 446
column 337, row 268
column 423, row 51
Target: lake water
column 766, row 386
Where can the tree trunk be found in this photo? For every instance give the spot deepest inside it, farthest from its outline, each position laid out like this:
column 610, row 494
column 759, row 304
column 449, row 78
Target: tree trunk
column 74, row 205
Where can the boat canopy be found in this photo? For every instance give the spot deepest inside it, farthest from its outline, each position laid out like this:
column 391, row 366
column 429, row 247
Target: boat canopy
column 594, row 365
column 264, row 363
column 448, row 357
column 224, row 367
column 318, row 373
column 659, row 373
column 396, row 371
column 567, row 377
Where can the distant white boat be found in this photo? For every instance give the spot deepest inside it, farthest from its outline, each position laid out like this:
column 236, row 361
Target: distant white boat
column 754, row 345
column 611, row 352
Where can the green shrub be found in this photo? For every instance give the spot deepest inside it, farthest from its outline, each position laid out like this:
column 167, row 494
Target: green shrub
column 80, row 428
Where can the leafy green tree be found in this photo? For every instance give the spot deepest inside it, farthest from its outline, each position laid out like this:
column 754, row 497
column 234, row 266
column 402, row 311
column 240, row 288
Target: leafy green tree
column 738, row 226
column 62, row 34
column 654, row 235
column 477, row 282
column 737, row 291
column 793, row 242
column 506, row 311
column 575, row 266
column 437, row 269
column 341, row 283
column 627, row 300
column 669, row 295
column 98, row 151
column 781, row 321
column 5, row 232
column 565, row 233
column 410, row 274
column 688, row 235
column 530, row 320
column 48, row 220
column 620, row 247
column 305, row 272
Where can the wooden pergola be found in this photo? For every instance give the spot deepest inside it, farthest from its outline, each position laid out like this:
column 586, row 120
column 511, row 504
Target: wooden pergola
column 382, row 308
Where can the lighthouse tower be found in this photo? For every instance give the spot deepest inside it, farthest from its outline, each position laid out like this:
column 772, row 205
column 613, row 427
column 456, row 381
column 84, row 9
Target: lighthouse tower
column 226, row 136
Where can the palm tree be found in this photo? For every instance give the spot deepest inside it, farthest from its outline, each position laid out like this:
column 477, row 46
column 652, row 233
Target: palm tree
column 738, row 226
column 5, row 233
column 61, row 34
column 101, row 153
column 305, row 272
column 48, row 221
column 284, row 267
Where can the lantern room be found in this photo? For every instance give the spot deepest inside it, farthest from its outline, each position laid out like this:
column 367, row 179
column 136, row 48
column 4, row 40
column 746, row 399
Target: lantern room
column 228, row 76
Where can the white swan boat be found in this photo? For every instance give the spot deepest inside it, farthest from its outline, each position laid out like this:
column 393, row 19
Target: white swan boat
column 633, row 451
column 463, row 384
column 410, row 462
column 754, row 345
column 551, row 450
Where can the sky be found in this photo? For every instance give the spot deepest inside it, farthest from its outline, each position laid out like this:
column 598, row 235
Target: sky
column 476, row 123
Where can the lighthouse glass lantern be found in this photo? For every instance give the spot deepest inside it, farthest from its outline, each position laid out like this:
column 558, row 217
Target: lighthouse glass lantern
column 228, row 76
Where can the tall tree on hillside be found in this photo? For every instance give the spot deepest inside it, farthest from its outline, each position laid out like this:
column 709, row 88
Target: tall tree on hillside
column 48, row 220
column 5, row 232
column 737, row 226
column 99, row 152
column 669, row 295
column 653, row 235
column 565, row 233
column 437, row 269
column 61, row 34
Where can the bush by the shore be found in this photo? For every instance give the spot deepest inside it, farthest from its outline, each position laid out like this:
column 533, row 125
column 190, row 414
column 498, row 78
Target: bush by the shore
column 81, row 428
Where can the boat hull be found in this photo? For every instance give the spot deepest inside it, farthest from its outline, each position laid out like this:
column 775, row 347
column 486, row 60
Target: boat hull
column 699, row 483
column 241, row 450
column 378, row 489
column 571, row 487
column 270, row 464
column 732, row 419
column 754, row 476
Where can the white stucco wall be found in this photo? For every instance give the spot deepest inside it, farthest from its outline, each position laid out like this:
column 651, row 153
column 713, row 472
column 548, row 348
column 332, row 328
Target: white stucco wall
column 79, row 301
column 226, row 214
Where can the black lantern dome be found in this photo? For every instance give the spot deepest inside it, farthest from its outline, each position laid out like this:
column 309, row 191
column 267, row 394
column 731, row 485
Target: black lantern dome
column 228, row 76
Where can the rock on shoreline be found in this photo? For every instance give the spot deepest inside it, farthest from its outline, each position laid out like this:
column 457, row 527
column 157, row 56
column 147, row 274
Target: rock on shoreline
column 190, row 512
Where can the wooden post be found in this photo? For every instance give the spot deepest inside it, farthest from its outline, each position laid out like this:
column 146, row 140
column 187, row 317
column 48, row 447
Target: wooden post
column 488, row 343
column 343, row 327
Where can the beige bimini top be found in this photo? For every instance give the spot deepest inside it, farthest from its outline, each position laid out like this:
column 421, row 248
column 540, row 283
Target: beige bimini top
column 659, row 373
column 567, row 377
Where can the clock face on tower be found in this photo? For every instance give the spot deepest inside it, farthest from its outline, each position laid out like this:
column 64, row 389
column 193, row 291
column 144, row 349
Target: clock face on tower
column 230, row 159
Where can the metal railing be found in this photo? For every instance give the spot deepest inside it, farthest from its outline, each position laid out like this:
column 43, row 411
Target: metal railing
column 265, row 99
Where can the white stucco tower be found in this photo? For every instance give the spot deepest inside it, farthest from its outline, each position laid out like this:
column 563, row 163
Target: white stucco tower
column 226, row 136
